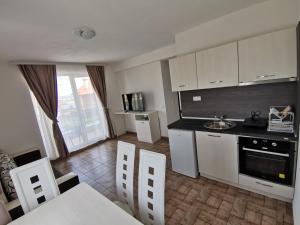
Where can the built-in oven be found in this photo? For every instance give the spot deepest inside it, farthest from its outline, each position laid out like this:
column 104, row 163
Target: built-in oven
column 267, row 159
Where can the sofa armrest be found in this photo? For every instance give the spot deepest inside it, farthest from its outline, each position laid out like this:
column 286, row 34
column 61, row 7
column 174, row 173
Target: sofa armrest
column 67, row 181
column 27, row 157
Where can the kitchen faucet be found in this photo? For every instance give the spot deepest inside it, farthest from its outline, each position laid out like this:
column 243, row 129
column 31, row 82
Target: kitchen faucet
column 220, row 118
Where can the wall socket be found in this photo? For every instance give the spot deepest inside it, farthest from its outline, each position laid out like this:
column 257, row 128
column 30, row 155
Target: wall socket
column 197, row 98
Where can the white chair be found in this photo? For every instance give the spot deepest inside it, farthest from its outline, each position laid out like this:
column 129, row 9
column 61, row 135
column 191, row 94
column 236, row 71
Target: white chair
column 124, row 176
column 152, row 170
column 4, row 215
column 34, row 184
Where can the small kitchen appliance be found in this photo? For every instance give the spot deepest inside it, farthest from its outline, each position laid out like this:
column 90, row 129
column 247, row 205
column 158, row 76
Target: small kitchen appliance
column 183, row 152
column 255, row 121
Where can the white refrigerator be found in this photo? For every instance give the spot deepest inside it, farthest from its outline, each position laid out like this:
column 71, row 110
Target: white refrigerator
column 183, row 152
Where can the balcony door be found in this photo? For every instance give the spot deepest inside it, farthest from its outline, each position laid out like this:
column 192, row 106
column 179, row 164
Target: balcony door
column 80, row 113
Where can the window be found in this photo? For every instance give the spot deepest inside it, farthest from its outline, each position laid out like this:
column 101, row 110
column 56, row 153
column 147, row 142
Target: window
column 80, row 113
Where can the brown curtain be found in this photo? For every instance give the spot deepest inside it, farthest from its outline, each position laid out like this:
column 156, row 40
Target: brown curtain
column 42, row 81
column 97, row 77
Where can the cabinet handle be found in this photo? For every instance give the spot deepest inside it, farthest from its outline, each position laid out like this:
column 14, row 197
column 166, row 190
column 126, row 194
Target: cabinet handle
column 216, row 81
column 265, row 76
column 266, row 185
column 213, row 135
column 183, row 85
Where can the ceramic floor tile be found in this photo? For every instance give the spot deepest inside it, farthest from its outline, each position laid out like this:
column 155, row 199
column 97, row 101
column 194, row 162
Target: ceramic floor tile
column 188, row 201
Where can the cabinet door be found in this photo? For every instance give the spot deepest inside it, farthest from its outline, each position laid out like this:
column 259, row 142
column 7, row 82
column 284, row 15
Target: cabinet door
column 183, row 72
column 143, row 131
column 269, row 56
column 217, row 155
column 183, row 152
column 218, row 67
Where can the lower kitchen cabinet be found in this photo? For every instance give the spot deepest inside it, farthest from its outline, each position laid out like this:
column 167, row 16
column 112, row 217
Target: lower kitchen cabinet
column 147, row 127
column 217, row 155
column 267, row 188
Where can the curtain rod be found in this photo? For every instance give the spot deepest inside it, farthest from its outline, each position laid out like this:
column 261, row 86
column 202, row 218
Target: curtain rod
column 54, row 63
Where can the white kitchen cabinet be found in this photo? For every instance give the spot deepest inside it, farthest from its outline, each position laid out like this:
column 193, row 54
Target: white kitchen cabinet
column 269, row 56
column 218, row 67
column 147, row 127
column 143, row 131
column 183, row 152
column 267, row 188
column 217, row 155
column 183, row 72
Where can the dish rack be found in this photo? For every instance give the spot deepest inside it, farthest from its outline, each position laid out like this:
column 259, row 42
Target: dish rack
column 281, row 122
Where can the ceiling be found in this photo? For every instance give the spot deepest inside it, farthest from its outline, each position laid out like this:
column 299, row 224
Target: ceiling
column 40, row 30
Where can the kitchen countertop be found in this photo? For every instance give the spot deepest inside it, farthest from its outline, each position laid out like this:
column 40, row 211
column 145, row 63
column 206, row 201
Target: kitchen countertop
column 239, row 129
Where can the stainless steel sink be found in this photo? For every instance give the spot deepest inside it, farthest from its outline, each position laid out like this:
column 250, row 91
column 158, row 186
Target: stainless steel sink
column 219, row 125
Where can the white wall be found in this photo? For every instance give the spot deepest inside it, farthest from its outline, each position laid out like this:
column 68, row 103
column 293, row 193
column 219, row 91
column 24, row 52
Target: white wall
column 156, row 55
column 298, row 10
column 114, row 100
column 259, row 18
column 18, row 125
column 171, row 98
column 296, row 202
column 148, row 80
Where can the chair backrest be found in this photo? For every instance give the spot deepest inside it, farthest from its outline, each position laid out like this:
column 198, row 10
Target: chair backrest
column 4, row 215
column 152, row 170
column 125, row 172
column 34, row 184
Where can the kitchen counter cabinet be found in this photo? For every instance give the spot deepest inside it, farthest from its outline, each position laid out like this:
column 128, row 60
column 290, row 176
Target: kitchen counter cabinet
column 217, row 155
column 239, row 129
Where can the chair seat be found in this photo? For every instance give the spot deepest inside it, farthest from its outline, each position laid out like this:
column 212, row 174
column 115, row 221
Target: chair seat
column 125, row 207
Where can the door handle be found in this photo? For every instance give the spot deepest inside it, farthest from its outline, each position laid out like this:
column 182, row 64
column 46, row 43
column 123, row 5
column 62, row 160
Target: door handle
column 183, row 85
column 211, row 135
column 216, row 81
column 265, row 76
column 266, row 185
column 265, row 152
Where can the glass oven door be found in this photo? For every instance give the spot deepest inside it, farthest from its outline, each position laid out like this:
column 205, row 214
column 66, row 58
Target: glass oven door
column 271, row 166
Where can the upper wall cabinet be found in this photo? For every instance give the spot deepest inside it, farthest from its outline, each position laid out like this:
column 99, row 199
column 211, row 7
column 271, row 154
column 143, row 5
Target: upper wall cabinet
column 218, row 67
column 269, row 56
column 183, row 72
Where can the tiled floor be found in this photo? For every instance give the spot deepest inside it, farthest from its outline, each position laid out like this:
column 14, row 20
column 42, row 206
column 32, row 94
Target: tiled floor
column 188, row 201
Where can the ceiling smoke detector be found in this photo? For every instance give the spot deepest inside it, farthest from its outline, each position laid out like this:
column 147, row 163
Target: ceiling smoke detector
column 85, row 33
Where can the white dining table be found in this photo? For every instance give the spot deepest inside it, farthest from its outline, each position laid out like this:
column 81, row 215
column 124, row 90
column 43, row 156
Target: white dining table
column 81, row 205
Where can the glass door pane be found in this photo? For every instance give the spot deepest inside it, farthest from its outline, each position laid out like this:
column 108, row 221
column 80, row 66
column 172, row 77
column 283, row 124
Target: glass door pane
column 91, row 110
column 68, row 114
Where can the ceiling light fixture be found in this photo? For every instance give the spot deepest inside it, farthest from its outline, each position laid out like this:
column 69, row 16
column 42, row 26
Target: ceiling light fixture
column 85, row 33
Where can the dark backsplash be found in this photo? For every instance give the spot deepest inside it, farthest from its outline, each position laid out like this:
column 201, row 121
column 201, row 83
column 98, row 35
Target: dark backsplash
column 238, row 102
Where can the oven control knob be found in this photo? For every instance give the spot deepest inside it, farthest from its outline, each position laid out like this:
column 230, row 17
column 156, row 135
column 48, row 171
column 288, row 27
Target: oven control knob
column 255, row 142
column 274, row 144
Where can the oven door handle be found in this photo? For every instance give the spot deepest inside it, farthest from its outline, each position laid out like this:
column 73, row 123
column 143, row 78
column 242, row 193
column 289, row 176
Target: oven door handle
column 264, row 152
